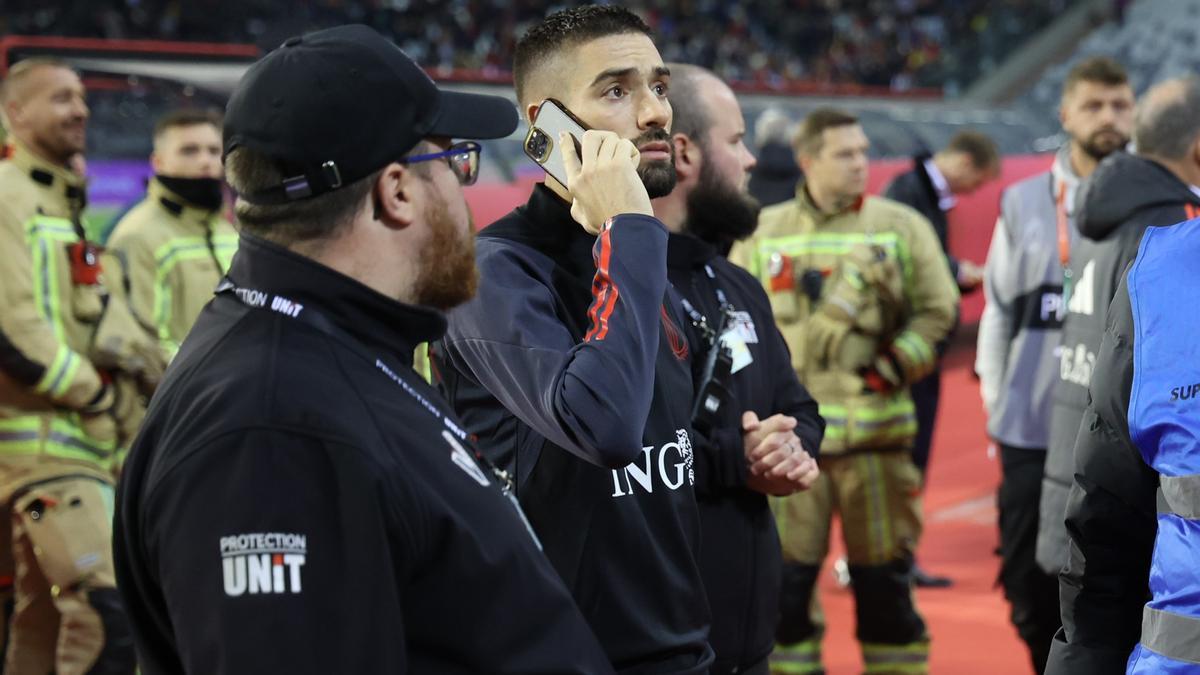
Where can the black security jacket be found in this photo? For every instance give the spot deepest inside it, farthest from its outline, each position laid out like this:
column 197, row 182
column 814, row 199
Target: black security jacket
column 740, row 558
column 300, row 501
column 572, row 369
column 1125, row 195
column 916, row 189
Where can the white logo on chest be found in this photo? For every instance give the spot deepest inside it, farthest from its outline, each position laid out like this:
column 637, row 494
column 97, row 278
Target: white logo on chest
column 670, row 463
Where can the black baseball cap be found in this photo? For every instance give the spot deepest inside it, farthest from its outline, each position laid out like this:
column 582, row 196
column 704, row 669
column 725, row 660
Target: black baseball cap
column 336, row 105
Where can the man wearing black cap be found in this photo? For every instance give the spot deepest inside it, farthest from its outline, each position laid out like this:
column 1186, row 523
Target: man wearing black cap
column 299, row 500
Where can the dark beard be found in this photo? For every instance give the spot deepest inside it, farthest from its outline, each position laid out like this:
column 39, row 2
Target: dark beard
column 658, row 177
column 446, row 274
column 719, row 213
column 1098, row 150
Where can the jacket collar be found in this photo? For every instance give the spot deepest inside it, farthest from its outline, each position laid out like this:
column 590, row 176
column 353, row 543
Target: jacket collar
column 687, row 251
column 545, row 224
column 805, row 201
column 937, row 182
column 67, row 188
column 379, row 322
column 177, row 206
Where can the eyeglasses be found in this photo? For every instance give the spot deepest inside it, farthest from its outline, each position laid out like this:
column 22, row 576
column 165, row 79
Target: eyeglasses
column 463, row 159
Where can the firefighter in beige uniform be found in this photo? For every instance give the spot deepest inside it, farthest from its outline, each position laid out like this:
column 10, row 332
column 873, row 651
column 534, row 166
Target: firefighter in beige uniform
column 74, row 363
column 175, row 244
column 861, row 291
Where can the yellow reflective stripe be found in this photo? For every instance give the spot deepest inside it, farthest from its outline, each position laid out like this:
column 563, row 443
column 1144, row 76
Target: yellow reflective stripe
column 906, row 658
column 899, row 405
column 917, row 357
column 895, row 420
column 170, row 347
column 906, row 266
column 806, row 649
column 53, row 374
column 835, row 420
column 162, row 307
column 22, row 423
column 73, row 366
column 226, row 245
column 914, row 343
column 879, row 536
column 838, row 238
column 50, row 228
column 45, row 287
column 802, row 657
column 167, row 256
column 26, row 435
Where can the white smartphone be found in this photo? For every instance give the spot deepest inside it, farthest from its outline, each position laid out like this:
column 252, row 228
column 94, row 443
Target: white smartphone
column 541, row 141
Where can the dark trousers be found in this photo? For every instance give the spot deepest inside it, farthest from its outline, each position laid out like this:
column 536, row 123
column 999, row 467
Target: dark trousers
column 925, row 394
column 1032, row 594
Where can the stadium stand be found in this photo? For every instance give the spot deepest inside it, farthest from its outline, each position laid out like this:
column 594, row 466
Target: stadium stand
column 1154, row 39
column 901, row 46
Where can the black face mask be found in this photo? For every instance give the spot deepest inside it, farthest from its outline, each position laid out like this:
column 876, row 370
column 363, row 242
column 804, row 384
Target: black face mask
column 202, row 193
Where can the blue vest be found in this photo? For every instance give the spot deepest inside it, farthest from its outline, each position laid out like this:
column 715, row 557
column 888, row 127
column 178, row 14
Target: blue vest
column 1164, row 423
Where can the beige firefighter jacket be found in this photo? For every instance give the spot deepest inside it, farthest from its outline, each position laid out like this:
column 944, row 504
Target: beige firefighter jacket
column 174, row 256
column 58, row 334
column 883, row 294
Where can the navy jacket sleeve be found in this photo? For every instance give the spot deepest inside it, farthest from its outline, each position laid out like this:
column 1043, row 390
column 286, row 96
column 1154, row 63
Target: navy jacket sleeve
column 1111, row 519
column 267, row 561
column 722, row 462
column 590, row 397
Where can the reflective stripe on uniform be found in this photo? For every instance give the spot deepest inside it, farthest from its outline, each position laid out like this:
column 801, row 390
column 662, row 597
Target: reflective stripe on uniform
column 831, row 243
column 58, row 377
column 879, row 533
column 920, row 353
column 172, row 253
column 894, row 420
column 885, row 658
column 1180, row 496
column 40, row 233
column 1175, row 636
column 27, row 435
column 802, row 657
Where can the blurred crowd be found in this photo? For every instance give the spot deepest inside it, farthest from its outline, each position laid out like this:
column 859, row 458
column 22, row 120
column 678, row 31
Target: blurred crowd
column 899, row 45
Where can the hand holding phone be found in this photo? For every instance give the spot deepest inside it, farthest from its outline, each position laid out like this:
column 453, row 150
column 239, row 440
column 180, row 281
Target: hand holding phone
column 541, row 143
column 598, row 168
column 604, row 182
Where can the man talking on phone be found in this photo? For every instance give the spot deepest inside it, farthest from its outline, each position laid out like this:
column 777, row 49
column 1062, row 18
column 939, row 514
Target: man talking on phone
column 570, row 365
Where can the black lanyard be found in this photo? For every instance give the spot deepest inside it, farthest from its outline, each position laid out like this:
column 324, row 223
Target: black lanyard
column 700, row 321
column 267, row 301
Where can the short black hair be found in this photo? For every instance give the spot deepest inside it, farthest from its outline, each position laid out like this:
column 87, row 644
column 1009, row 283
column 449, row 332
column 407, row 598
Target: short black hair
column 1169, row 128
column 186, row 117
column 810, row 135
column 568, row 28
column 978, row 146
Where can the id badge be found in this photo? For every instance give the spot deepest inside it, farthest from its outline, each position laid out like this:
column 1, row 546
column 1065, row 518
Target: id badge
column 736, row 344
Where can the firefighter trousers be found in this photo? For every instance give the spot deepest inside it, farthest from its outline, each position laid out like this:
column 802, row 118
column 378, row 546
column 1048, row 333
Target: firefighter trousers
column 66, row 616
column 877, row 496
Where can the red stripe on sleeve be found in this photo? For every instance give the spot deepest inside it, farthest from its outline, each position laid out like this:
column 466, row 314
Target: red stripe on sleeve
column 604, row 291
